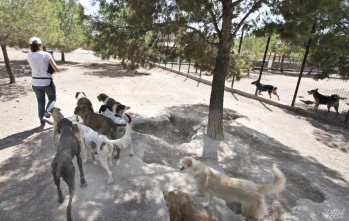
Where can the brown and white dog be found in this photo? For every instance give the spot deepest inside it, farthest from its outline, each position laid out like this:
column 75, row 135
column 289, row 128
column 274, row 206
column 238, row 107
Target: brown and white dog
column 99, row 123
column 216, row 184
column 112, row 104
column 181, row 207
column 57, row 116
column 81, row 99
column 93, row 143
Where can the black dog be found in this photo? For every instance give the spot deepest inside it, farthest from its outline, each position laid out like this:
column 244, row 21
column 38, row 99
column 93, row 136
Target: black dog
column 62, row 164
column 330, row 101
column 263, row 87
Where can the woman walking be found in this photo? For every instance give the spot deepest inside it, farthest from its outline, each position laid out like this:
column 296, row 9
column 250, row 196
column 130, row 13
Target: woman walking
column 42, row 82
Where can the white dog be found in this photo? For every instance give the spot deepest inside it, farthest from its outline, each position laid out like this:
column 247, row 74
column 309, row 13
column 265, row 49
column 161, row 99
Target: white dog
column 99, row 144
column 117, row 119
column 249, row 194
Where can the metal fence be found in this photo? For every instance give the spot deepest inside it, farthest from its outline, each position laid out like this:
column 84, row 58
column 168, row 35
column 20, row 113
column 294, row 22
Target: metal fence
column 285, row 79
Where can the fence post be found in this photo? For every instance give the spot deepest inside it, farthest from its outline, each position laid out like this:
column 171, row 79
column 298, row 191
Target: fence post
column 303, row 65
column 265, row 55
column 180, row 63
column 189, row 66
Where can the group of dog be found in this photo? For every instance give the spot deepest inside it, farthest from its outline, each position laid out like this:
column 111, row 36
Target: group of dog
column 99, row 137
column 330, row 101
column 208, row 180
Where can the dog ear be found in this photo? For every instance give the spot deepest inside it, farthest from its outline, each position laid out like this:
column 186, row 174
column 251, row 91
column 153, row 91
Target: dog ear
column 83, row 93
column 195, row 157
column 76, row 94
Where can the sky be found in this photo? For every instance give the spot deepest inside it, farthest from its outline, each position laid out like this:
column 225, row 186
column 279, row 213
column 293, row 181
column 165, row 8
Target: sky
column 89, row 9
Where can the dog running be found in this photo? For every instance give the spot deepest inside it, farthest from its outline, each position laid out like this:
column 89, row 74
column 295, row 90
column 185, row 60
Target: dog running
column 62, row 163
column 264, row 87
column 216, row 184
column 330, row 101
column 112, row 104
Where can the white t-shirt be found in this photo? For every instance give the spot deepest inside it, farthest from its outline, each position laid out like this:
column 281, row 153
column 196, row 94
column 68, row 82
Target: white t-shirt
column 38, row 62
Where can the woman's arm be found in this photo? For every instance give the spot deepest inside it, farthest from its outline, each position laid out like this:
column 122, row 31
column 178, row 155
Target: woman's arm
column 53, row 65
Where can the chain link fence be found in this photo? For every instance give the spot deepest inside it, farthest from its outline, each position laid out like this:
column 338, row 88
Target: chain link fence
column 282, row 71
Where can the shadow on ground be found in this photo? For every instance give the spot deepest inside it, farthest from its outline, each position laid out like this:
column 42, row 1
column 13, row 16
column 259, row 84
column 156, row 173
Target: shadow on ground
column 159, row 143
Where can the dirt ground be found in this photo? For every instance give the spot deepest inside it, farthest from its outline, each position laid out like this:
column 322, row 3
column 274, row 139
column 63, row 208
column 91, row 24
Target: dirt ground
column 169, row 120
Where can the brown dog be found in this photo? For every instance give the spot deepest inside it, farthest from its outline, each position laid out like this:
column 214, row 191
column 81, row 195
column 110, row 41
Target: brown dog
column 99, row 123
column 330, row 101
column 57, row 116
column 216, row 184
column 181, row 207
column 112, row 104
column 81, row 99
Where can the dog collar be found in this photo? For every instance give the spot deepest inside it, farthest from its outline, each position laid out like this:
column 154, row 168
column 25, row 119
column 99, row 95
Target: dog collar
column 106, row 100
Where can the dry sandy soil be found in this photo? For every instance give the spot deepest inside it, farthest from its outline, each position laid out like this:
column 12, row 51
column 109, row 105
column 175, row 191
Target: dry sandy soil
column 169, row 121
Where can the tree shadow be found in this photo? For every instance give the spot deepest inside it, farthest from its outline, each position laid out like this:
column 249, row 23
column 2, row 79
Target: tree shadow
column 329, row 130
column 18, row 138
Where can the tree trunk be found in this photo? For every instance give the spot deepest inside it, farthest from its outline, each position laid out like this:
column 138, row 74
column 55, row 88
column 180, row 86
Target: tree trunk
column 7, row 64
column 62, row 56
column 215, row 116
column 282, row 63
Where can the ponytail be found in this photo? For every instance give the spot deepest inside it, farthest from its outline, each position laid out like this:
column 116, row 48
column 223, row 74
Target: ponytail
column 34, row 47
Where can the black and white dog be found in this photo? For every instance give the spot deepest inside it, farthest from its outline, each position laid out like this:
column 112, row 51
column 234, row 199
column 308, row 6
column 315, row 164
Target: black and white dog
column 117, row 119
column 112, row 104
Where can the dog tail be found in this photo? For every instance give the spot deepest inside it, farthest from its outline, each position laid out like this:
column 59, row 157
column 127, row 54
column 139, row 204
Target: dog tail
column 278, row 185
column 124, row 141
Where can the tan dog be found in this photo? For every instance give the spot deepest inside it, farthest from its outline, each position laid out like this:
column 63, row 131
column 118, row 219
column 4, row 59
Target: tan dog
column 181, row 207
column 249, row 194
column 56, row 115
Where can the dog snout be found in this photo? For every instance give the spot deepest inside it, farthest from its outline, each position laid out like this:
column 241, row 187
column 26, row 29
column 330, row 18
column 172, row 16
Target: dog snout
column 182, row 168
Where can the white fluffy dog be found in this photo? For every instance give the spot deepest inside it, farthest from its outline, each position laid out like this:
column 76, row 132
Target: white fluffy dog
column 249, row 194
column 99, row 144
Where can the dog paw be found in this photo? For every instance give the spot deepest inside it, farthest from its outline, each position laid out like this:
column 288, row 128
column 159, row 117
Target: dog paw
column 60, row 200
column 110, row 180
column 83, row 184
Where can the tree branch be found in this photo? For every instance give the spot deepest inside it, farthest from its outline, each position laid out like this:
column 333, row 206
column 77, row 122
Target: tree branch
column 255, row 7
column 214, row 20
column 202, row 35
